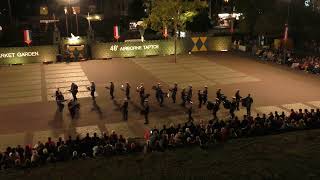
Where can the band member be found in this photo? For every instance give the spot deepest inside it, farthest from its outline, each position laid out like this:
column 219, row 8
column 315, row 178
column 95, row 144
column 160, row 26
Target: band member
column 146, row 111
column 216, row 108
column 219, row 94
column 159, row 94
column 74, row 91
column 183, row 97
column 238, row 99
column 124, row 109
column 60, row 100
column 248, row 102
column 205, row 94
column 174, row 91
column 233, row 107
column 57, row 93
column 141, row 91
column 111, row 89
column 128, row 90
column 189, row 110
column 200, row 98
column 73, row 107
column 92, row 88
column 189, row 95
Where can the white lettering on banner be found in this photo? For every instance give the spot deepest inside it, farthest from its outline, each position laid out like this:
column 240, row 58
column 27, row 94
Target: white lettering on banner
column 19, row 54
column 134, row 48
column 7, row 55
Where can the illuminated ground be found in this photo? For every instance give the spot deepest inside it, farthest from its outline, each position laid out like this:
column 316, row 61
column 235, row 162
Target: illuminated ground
column 28, row 113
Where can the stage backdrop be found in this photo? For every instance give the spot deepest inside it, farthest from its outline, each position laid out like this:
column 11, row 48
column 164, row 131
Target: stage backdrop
column 159, row 47
column 25, row 55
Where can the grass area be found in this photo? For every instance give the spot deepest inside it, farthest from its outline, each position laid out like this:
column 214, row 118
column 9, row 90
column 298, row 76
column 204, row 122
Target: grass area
column 287, row 156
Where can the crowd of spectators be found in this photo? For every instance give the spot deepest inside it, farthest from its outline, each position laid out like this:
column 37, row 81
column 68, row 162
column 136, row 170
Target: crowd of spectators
column 310, row 64
column 214, row 131
column 71, row 149
column 189, row 134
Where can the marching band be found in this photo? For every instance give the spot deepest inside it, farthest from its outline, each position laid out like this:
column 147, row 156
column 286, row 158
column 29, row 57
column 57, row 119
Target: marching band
column 160, row 94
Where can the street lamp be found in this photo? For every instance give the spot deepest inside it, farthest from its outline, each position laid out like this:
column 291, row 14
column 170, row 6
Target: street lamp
column 67, row 25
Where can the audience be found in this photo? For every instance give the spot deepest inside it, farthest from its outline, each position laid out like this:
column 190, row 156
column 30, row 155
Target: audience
column 189, row 134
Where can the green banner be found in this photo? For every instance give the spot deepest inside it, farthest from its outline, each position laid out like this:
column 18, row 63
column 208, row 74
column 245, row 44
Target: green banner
column 160, row 47
column 138, row 49
column 25, row 55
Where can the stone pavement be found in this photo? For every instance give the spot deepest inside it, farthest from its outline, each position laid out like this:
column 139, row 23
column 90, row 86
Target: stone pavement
column 193, row 72
column 137, row 128
column 28, row 111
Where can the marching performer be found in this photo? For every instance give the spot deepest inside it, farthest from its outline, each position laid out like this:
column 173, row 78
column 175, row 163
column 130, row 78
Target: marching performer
column 174, row 91
column 128, row 90
column 205, row 95
column 124, row 109
column 74, row 91
column 141, row 91
column 111, row 89
column 92, row 88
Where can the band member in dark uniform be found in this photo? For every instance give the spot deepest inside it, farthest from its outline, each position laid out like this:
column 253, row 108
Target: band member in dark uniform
column 159, row 95
column 111, row 89
column 146, row 111
column 238, row 99
column 183, row 97
column 60, row 100
column 189, row 95
column 219, row 94
column 141, row 91
column 128, row 90
column 248, row 102
column 216, row 108
column 92, row 89
column 74, row 91
column 57, row 93
column 233, row 107
column 205, row 94
column 73, row 107
column 174, row 91
column 200, row 98
column 189, row 110
column 124, row 109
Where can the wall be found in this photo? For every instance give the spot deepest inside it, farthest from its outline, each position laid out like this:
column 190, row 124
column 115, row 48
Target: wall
column 25, row 55
column 138, row 49
column 160, row 47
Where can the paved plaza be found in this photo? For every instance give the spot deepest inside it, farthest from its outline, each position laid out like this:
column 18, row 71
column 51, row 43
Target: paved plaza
column 28, row 111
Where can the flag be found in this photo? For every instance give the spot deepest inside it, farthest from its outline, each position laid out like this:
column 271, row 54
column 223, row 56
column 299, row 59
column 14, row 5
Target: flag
column 116, row 32
column 286, row 32
column 27, row 36
column 165, row 32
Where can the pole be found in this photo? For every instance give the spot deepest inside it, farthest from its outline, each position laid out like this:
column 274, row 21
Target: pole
column 10, row 11
column 77, row 24
column 67, row 25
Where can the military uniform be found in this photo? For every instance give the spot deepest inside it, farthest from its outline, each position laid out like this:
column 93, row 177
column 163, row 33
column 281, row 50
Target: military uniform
column 205, row 95
column 74, row 91
column 183, row 97
column 248, row 102
column 174, row 91
column 93, row 90
column 233, row 107
column 124, row 109
column 128, row 91
column 111, row 90
column 238, row 99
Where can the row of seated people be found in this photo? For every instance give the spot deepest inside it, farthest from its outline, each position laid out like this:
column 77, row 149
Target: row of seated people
column 201, row 134
column 309, row 64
